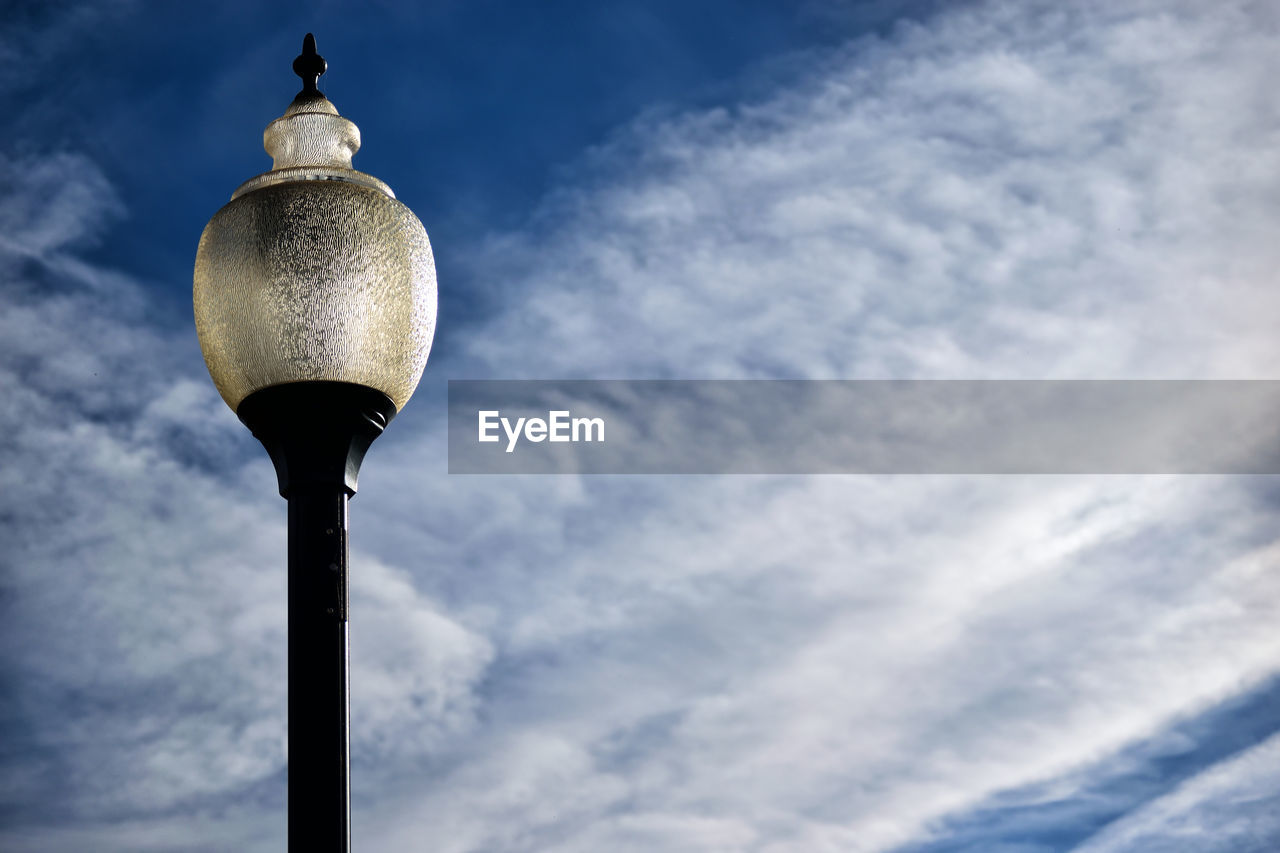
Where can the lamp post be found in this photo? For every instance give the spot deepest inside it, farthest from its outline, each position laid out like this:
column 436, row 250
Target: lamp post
column 315, row 304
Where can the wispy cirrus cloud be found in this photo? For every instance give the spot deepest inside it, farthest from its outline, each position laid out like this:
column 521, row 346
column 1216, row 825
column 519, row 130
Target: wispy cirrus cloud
column 1005, row 191
column 1230, row 806
column 764, row 664
column 1000, row 192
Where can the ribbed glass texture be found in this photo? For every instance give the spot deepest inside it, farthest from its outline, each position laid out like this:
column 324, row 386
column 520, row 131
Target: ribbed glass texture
column 311, row 139
column 315, row 280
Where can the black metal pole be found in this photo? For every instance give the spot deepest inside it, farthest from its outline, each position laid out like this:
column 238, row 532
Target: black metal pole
column 319, row 696
column 317, row 434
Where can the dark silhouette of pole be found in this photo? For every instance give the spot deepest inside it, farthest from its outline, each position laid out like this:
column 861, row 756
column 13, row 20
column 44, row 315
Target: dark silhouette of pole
column 319, row 695
column 317, row 434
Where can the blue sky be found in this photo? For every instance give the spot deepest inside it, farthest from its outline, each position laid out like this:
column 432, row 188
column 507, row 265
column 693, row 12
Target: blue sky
column 626, row 190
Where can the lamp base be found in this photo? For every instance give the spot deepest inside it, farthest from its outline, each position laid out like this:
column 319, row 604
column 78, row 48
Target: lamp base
column 316, row 433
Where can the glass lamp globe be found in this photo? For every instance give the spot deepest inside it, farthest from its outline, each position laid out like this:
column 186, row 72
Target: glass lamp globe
column 314, row 272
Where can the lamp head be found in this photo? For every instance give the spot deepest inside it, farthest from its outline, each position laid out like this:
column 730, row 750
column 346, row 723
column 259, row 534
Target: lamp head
column 314, row 272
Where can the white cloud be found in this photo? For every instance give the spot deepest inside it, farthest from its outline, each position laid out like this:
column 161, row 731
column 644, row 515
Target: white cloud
column 53, row 202
column 1012, row 190
column 1019, row 191
column 1227, row 807
column 768, row 664
column 415, row 668
column 837, row 664
column 143, row 568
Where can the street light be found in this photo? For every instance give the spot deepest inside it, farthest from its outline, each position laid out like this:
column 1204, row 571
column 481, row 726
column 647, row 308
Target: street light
column 315, row 304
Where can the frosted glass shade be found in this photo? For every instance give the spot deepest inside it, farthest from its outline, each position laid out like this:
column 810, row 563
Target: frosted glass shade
column 313, row 271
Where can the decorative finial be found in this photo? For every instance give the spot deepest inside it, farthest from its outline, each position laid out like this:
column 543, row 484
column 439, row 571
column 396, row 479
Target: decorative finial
column 309, row 65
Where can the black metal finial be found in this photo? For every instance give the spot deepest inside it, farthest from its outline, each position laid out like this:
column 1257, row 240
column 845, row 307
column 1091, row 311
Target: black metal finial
column 309, row 65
